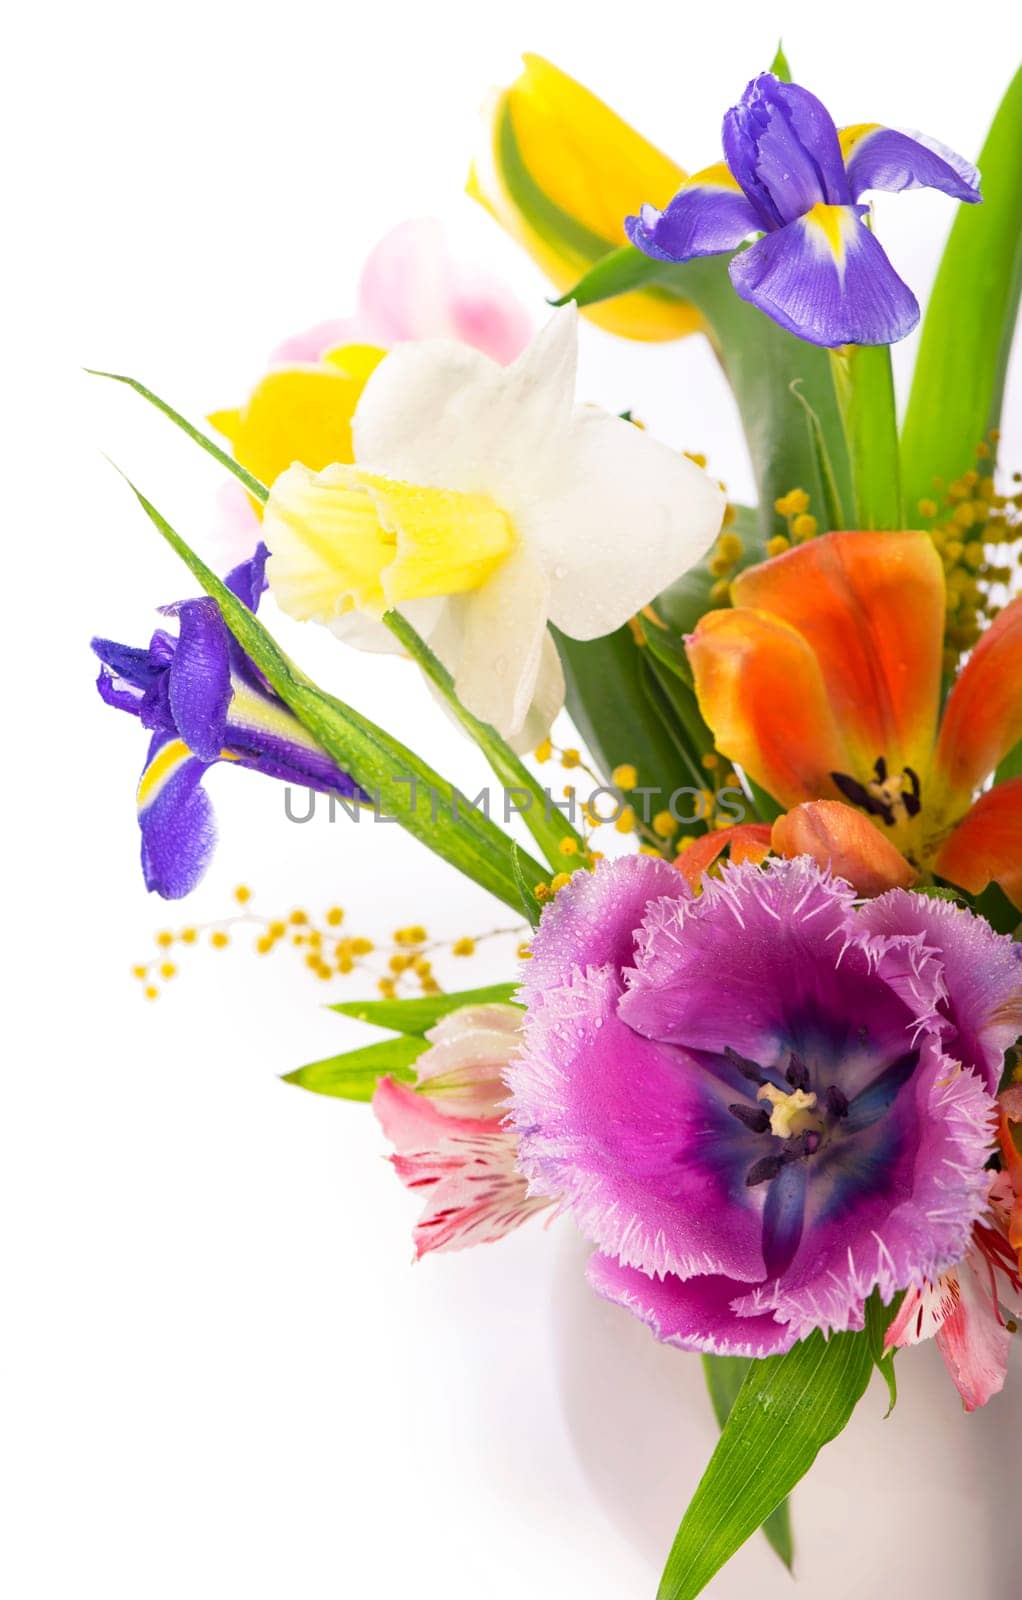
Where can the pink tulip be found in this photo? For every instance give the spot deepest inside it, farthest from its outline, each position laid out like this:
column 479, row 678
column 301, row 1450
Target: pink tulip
column 411, row 288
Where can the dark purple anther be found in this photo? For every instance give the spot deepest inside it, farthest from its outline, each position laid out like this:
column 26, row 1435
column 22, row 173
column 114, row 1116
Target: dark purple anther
column 836, row 1101
column 756, row 1118
column 762, row 1171
column 748, row 1069
column 797, row 1073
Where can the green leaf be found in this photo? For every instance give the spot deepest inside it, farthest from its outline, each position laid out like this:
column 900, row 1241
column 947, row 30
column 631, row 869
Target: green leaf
column 609, row 705
column 865, row 389
column 999, row 911
column 834, row 512
column 668, row 648
column 624, row 712
column 618, row 272
column 724, row 1378
column 688, row 597
column 1011, row 766
column 678, row 702
column 422, row 1012
column 407, row 788
column 967, row 335
column 779, row 65
column 354, row 1075
column 254, row 487
column 547, row 825
column 934, row 891
column 527, row 899
column 878, row 1319
column 760, row 361
column 788, row 1408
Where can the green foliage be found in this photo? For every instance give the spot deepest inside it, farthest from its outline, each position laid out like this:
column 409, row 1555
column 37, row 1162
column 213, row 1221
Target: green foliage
column 419, row 1013
column 1011, row 766
column 878, row 1319
column 865, row 389
column 610, row 704
column 779, row 65
column 547, row 826
column 787, row 1409
column 967, row 334
column 724, row 1378
column 355, row 1074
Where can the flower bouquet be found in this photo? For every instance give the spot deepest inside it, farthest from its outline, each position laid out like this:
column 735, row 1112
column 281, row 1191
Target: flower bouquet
column 762, row 1046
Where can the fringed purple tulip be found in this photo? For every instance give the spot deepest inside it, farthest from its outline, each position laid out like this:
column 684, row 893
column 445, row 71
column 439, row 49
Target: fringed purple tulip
column 204, row 701
column 761, row 1103
column 790, row 176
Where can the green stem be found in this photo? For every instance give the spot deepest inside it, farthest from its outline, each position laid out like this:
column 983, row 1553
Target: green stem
column 865, row 389
column 548, row 825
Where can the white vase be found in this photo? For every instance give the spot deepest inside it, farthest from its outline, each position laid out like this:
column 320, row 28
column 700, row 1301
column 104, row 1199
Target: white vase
column 928, row 1502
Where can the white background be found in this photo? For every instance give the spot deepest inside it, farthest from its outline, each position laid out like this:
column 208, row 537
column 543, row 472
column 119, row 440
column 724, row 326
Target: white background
column 223, row 1378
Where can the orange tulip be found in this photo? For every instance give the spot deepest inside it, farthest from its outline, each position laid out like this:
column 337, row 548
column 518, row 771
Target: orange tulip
column 823, row 683
column 745, row 841
column 845, row 841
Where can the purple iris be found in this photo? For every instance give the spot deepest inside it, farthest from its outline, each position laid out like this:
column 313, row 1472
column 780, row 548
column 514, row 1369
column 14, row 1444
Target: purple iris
column 789, row 175
column 761, row 1103
column 205, row 701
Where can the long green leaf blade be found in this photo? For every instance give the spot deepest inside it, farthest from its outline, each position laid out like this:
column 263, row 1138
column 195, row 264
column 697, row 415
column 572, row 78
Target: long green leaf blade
column 419, row 1013
column 834, row 511
column 967, row 335
column 252, row 484
column 724, row 1378
column 355, row 1074
column 549, row 827
column 878, row 1319
column 608, row 705
column 865, row 389
column 788, row 1408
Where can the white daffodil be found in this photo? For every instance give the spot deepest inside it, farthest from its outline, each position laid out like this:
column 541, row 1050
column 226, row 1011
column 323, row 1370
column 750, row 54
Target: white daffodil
column 483, row 504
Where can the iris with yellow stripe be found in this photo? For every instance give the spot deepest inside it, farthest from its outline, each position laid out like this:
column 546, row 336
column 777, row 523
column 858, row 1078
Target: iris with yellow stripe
column 205, row 702
column 792, row 179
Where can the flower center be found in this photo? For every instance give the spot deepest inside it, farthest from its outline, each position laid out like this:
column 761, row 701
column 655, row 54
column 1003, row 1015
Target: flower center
column 437, row 541
column 795, row 1116
column 378, row 541
column 892, row 796
column 793, row 1111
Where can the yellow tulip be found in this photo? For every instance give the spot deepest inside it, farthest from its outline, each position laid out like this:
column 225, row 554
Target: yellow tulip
column 560, row 173
column 300, row 413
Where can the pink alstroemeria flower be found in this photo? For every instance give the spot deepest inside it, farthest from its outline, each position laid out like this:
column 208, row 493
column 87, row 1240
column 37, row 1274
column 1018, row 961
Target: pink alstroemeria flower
column 974, row 1309
column 413, row 288
column 449, row 1134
